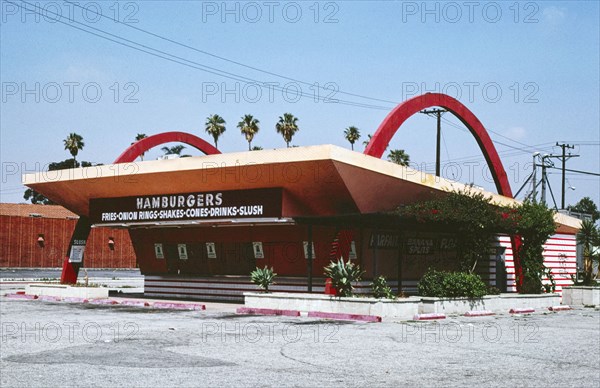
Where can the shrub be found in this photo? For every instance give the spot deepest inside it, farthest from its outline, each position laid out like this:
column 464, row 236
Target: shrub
column 263, row 278
column 381, row 289
column 342, row 275
column 451, row 285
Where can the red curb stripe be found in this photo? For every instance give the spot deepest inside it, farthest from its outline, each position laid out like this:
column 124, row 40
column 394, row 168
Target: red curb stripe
column 255, row 311
column 559, row 308
column 73, row 299
column 344, row 317
column 49, row 298
column 103, row 301
column 522, row 311
column 135, row 303
column 21, row 296
column 179, row 306
column 479, row 313
column 430, row 316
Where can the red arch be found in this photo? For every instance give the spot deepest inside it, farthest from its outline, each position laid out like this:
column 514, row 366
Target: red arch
column 141, row 146
column 402, row 112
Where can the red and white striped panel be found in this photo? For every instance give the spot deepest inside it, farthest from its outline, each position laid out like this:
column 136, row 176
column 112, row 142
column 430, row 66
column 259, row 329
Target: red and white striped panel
column 560, row 255
column 229, row 288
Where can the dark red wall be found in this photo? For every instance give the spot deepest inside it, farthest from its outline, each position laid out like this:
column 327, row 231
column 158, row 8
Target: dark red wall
column 19, row 244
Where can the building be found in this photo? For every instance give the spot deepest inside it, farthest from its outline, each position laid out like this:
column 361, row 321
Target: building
column 37, row 236
column 199, row 225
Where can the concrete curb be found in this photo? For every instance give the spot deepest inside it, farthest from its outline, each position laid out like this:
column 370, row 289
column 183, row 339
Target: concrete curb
column 428, row 317
column 49, row 298
column 344, row 317
column 134, row 303
column 21, row 296
column 178, row 306
column 73, row 299
column 479, row 313
column 103, row 302
column 253, row 311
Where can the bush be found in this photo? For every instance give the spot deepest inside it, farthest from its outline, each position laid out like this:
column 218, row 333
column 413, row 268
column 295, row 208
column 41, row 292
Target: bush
column 381, row 289
column 451, row 285
column 342, row 275
column 263, row 277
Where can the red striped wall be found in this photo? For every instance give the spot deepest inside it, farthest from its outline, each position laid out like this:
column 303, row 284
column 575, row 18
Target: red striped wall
column 19, row 246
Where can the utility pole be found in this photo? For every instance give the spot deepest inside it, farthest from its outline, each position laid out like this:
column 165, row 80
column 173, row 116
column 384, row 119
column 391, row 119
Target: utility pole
column 544, row 176
column 533, row 175
column 564, row 157
column 438, row 113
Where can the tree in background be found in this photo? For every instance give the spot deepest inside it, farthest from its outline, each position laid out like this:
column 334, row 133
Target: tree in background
column 399, row 157
column 287, row 126
column 175, row 150
column 139, row 137
column 215, row 126
column 586, row 206
column 74, row 143
column 588, row 236
column 37, row 198
column 249, row 127
column 352, row 134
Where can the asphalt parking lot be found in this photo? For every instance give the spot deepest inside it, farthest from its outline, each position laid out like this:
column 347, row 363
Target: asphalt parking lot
column 61, row 344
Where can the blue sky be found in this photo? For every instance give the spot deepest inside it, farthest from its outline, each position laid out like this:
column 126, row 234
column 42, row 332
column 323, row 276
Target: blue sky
column 528, row 70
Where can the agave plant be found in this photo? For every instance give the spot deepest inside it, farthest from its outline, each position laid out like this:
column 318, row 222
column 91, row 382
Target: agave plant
column 263, row 278
column 342, row 275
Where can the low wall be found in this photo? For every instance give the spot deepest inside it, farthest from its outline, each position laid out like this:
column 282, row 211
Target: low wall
column 64, row 291
column 403, row 309
column 400, row 309
column 581, row 296
column 495, row 303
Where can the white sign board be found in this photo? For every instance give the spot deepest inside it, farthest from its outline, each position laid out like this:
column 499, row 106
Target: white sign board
column 306, row 250
column 158, row 251
column 210, row 250
column 352, row 254
column 258, row 250
column 76, row 255
column 182, row 250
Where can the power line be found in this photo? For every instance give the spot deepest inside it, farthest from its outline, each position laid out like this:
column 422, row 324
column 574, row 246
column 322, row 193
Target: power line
column 193, row 64
column 226, row 59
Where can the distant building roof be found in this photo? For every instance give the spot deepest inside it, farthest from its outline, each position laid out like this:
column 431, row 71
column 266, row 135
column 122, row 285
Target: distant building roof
column 30, row 210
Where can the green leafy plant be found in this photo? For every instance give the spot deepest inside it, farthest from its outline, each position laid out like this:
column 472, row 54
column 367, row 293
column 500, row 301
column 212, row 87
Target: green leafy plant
column 342, row 275
column 535, row 226
column 587, row 237
column 263, row 278
column 380, row 289
column 451, row 285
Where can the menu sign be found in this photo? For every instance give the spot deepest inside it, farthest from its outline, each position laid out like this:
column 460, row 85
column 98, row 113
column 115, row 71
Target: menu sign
column 257, row 203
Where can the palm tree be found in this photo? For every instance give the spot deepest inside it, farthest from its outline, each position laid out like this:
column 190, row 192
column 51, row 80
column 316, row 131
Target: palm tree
column 139, row 137
column 352, row 134
column 257, row 148
column 215, row 126
column 175, row 150
column 287, row 126
column 399, row 157
column 74, row 143
column 588, row 237
column 249, row 127
column 366, row 142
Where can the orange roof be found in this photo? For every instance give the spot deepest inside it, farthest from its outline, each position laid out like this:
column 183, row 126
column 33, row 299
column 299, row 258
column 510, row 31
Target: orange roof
column 30, row 210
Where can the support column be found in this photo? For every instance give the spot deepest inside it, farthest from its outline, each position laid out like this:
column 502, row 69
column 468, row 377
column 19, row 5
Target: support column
column 310, row 258
column 74, row 256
